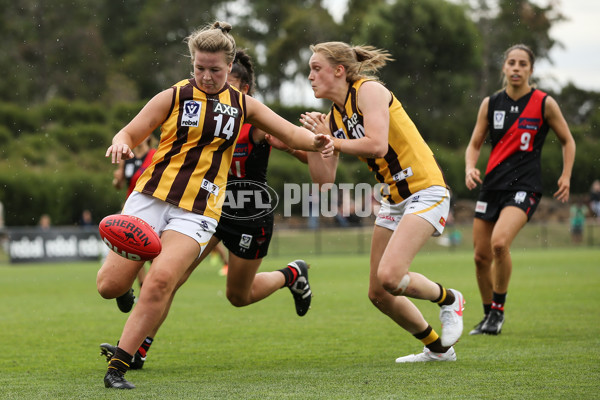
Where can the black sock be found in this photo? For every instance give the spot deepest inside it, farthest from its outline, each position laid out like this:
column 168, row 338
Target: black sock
column 290, row 274
column 143, row 350
column 431, row 340
column 487, row 308
column 120, row 361
column 446, row 297
column 498, row 301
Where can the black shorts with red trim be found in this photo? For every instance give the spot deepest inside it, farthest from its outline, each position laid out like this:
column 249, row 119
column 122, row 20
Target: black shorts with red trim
column 247, row 239
column 491, row 202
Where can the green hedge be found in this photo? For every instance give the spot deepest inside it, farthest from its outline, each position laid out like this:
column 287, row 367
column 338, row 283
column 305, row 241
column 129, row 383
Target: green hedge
column 27, row 195
column 18, row 119
column 68, row 113
column 79, row 137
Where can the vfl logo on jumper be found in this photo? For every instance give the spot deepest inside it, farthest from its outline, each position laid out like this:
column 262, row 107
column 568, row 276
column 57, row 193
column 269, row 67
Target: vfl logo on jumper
column 210, row 187
column 339, row 134
column 499, row 119
column 245, row 241
column 531, row 124
column 520, row 197
column 402, row 175
column 244, row 200
column 191, row 113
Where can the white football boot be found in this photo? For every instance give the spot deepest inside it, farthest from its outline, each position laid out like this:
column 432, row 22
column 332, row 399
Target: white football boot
column 451, row 317
column 428, row 355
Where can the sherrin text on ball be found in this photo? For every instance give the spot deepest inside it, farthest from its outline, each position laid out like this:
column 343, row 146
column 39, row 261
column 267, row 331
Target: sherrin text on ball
column 130, row 237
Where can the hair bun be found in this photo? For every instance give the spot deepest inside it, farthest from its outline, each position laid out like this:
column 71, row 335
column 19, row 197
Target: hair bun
column 223, row 26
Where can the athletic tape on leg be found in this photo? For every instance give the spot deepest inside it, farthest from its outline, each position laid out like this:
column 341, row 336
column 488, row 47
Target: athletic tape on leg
column 404, row 282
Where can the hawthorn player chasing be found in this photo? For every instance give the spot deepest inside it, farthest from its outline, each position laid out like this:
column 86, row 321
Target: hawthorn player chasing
column 368, row 121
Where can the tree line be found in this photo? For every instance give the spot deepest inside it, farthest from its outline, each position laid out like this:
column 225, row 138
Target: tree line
column 74, row 72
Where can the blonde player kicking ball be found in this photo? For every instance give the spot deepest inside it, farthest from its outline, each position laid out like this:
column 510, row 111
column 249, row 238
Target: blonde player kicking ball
column 246, row 229
column 368, row 121
column 179, row 193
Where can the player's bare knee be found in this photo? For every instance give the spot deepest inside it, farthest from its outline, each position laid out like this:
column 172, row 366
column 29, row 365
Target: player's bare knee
column 499, row 248
column 391, row 281
column 159, row 284
column 377, row 296
column 482, row 260
column 395, row 287
column 110, row 289
column 105, row 292
column 237, row 300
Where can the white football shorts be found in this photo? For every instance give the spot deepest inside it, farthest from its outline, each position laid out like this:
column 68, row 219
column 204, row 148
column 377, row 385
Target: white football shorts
column 431, row 204
column 163, row 216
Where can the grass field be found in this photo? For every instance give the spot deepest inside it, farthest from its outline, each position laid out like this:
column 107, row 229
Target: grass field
column 52, row 321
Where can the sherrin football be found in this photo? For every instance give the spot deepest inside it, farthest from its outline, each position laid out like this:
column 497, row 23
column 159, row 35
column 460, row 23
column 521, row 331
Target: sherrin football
column 130, row 237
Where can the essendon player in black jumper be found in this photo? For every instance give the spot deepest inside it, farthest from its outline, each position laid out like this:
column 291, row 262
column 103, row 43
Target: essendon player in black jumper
column 246, row 223
column 518, row 119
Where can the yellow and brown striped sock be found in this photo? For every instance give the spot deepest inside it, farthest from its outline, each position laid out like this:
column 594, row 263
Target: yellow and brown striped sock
column 431, row 340
column 120, row 361
column 446, row 297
